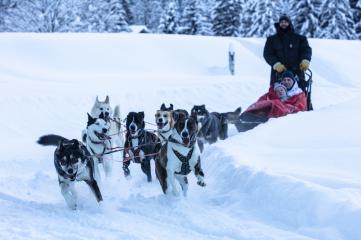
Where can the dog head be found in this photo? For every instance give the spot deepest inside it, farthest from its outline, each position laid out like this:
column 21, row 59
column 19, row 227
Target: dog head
column 135, row 123
column 102, row 109
column 70, row 155
column 185, row 130
column 97, row 128
column 199, row 112
column 163, row 118
column 231, row 117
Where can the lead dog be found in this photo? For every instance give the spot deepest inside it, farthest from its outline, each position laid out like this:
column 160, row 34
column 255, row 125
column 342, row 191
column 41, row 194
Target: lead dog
column 165, row 122
column 97, row 143
column 140, row 145
column 104, row 110
column 73, row 163
column 179, row 156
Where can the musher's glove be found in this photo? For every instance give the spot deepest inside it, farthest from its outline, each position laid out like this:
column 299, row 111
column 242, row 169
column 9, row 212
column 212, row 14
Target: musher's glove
column 279, row 67
column 304, row 65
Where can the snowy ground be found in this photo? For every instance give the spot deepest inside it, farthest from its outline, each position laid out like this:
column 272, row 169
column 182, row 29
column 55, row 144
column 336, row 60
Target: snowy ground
column 297, row 177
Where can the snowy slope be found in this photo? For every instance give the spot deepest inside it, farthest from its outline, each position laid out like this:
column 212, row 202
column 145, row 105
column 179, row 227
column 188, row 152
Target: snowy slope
column 297, row 177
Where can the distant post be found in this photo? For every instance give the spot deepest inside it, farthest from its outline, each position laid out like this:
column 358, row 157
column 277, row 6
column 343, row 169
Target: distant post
column 231, row 56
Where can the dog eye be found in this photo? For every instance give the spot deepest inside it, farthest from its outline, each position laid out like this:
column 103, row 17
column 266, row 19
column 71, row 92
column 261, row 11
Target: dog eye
column 97, row 124
column 62, row 162
column 165, row 115
column 101, row 109
column 157, row 115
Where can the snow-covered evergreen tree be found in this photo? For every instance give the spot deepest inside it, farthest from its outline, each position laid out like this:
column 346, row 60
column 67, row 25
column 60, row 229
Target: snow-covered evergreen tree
column 264, row 18
column 129, row 17
column 192, row 21
column 226, row 18
column 336, row 20
column 148, row 13
column 115, row 18
column 247, row 17
column 356, row 7
column 169, row 21
column 306, row 20
column 5, row 7
column 41, row 16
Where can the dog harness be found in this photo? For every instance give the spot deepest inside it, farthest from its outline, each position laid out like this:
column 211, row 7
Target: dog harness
column 185, row 168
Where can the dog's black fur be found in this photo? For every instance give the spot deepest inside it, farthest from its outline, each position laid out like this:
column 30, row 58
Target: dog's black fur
column 139, row 142
column 68, row 156
column 212, row 125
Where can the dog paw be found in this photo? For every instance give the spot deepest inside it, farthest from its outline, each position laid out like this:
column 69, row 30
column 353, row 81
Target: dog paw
column 201, row 183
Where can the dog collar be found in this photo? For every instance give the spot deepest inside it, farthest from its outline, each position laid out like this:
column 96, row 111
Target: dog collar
column 173, row 140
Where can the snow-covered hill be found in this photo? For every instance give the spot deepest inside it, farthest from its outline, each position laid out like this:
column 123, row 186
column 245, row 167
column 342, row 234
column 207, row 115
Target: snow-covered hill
column 296, row 177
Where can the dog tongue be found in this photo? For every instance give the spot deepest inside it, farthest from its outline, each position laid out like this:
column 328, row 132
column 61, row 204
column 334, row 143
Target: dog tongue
column 160, row 125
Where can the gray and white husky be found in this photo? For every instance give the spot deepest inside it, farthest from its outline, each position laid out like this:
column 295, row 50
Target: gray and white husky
column 73, row 162
column 104, row 110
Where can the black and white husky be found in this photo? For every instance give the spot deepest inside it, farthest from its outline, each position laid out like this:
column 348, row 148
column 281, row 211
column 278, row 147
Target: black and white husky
column 97, row 143
column 73, row 162
column 140, row 145
column 103, row 110
column 179, row 156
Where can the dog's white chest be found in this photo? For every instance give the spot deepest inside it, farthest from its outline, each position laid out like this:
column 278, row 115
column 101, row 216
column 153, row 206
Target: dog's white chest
column 135, row 143
column 175, row 163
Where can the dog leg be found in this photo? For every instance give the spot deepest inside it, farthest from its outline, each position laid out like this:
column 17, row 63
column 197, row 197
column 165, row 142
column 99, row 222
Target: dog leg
column 200, row 145
column 69, row 194
column 161, row 174
column 199, row 173
column 96, row 169
column 145, row 165
column 108, row 165
column 183, row 181
column 93, row 185
column 171, row 182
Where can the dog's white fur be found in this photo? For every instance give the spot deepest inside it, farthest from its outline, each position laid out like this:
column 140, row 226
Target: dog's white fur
column 165, row 132
column 116, row 128
column 174, row 165
column 99, row 148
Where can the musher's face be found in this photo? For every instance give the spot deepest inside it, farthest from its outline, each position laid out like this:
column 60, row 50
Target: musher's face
column 287, row 82
column 284, row 24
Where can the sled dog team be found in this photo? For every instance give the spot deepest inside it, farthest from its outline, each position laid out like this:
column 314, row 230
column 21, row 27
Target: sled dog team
column 176, row 147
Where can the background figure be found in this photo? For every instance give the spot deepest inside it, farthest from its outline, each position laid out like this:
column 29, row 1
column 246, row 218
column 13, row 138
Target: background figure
column 287, row 50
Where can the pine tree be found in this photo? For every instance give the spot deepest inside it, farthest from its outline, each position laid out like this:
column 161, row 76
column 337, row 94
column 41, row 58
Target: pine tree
column 6, row 6
column 264, row 18
column 306, row 20
column 356, row 7
column 169, row 21
column 247, row 17
column 336, row 20
column 148, row 13
column 115, row 18
column 226, row 18
column 128, row 15
column 41, row 16
column 192, row 21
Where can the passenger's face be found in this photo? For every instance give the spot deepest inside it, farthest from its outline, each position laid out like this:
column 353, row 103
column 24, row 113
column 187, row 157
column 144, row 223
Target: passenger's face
column 287, row 82
column 280, row 91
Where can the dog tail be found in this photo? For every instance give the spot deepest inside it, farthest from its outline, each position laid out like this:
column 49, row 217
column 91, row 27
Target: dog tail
column 50, row 140
column 116, row 112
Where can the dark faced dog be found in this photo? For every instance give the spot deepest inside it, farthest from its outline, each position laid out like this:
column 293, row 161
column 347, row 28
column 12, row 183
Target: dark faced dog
column 179, row 156
column 140, row 145
column 211, row 125
column 72, row 163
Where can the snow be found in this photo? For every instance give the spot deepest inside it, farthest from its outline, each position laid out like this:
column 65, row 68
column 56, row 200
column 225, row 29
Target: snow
column 296, row 177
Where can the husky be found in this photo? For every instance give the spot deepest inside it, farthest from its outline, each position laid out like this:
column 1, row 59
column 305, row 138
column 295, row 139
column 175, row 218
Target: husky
column 211, row 125
column 179, row 156
column 103, row 110
column 140, row 145
column 97, row 143
column 73, row 162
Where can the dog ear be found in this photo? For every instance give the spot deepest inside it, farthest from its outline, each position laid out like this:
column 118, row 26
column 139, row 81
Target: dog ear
column 107, row 99
column 141, row 114
column 162, row 107
column 91, row 120
column 171, row 107
column 97, row 100
column 203, row 106
column 238, row 111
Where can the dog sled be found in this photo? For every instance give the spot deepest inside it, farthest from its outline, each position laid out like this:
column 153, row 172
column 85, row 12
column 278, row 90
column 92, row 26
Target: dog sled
column 249, row 120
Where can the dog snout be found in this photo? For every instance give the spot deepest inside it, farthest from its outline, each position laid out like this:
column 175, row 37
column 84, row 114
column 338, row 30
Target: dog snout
column 106, row 114
column 160, row 120
column 105, row 130
column 132, row 127
column 185, row 134
column 70, row 171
